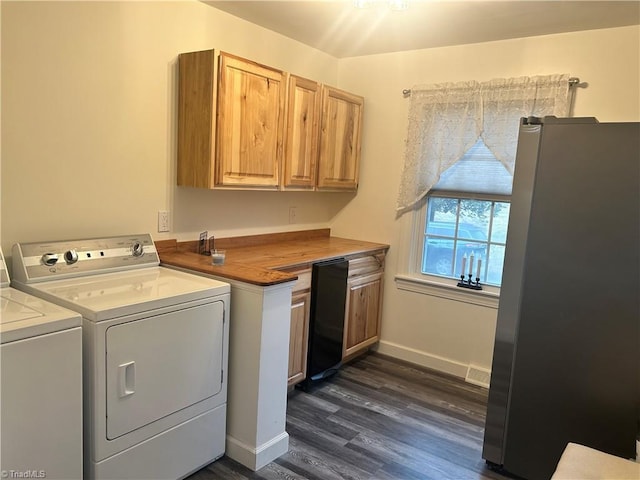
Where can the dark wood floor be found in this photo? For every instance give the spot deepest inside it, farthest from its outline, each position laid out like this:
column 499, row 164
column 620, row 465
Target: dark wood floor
column 378, row 419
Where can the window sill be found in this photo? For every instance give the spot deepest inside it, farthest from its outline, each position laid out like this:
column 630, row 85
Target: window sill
column 447, row 290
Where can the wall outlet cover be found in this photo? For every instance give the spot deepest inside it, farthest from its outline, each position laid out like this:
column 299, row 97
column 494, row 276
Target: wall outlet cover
column 163, row 221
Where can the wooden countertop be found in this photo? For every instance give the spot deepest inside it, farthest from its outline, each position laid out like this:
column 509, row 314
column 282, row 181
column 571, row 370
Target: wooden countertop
column 266, row 259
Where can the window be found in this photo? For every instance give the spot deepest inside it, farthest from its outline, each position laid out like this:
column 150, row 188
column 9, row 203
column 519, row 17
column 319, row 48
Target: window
column 456, row 180
column 466, row 219
column 465, row 231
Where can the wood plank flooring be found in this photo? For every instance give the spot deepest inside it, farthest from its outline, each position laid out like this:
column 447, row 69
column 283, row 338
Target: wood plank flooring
column 378, row 419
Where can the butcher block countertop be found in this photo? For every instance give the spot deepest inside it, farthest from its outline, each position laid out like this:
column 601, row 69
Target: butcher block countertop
column 267, row 259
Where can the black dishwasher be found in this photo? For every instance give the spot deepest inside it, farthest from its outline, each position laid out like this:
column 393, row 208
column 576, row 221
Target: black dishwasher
column 326, row 324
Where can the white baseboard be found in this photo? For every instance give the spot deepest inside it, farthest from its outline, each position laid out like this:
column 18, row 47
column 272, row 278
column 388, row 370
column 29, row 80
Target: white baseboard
column 423, row 359
column 257, row 457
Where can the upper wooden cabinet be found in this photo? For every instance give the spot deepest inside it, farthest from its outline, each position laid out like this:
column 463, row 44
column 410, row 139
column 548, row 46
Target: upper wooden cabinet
column 322, row 149
column 251, row 102
column 246, row 125
column 197, row 89
column 230, row 122
column 340, row 132
column 302, row 132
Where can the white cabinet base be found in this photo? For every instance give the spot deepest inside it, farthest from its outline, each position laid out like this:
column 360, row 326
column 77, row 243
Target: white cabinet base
column 258, row 370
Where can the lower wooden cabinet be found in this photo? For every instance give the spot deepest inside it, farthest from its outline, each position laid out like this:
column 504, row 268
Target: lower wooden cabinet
column 362, row 323
column 363, row 306
column 298, row 337
column 363, row 309
column 299, row 329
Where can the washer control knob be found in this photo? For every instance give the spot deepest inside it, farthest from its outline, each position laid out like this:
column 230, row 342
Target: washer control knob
column 71, row 256
column 50, row 259
column 137, row 249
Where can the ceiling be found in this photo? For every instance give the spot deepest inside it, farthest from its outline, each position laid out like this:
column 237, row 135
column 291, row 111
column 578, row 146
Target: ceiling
column 341, row 30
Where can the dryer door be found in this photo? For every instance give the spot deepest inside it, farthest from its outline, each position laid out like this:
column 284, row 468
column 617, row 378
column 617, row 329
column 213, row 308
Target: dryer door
column 161, row 364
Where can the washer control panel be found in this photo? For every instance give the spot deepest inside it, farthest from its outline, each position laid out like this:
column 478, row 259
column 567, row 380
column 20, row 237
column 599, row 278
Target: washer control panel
column 33, row 262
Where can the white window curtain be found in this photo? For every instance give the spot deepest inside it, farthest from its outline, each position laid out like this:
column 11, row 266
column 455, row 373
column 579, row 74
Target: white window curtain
column 446, row 120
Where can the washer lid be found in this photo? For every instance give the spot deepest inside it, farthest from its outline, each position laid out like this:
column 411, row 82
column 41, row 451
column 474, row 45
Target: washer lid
column 111, row 295
column 24, row 316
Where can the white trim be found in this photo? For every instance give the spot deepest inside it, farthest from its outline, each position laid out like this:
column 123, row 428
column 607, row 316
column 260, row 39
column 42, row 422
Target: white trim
column 258, row 457
column 422, row 358
column 414, row 284
column 412, row 280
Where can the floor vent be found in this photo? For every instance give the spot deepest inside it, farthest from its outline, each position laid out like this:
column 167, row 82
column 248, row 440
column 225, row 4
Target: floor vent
column 478, row 376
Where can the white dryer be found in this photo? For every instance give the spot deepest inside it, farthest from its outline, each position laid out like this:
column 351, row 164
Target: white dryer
column 40, row 386
column 155, row 353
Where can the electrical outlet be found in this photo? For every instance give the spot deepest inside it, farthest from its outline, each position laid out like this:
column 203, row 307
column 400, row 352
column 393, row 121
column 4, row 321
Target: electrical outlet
column 293, row 213
column 163, row 221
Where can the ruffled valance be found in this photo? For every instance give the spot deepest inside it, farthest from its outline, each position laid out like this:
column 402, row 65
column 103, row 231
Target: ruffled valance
column 446, row 120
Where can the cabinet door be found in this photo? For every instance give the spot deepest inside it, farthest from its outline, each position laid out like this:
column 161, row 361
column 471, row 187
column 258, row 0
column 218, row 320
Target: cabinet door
column 299, row 337
column 339, row 159
column 303, row 123
column 196, row 118
column 362, row 322
column 251, row 99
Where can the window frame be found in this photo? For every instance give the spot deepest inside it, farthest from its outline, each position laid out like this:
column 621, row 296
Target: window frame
column 414, row 280
column 454, row 195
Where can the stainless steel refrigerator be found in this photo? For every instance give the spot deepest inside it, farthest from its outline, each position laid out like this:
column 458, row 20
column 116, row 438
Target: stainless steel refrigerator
column 566, row 360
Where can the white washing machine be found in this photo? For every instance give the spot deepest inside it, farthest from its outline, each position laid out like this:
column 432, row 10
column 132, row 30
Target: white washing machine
column 40, row 387
column 155, row 344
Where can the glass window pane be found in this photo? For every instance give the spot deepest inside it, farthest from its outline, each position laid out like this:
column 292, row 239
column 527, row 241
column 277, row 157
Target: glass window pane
column 441, row 216
column 494, row 268
column 474, row 219
column 500, row 222
column 438, row 257
column 458, row 229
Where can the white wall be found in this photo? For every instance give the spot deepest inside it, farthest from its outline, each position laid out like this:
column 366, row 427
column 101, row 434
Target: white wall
column 89, row 121
column 89, row 135
column 435, row 331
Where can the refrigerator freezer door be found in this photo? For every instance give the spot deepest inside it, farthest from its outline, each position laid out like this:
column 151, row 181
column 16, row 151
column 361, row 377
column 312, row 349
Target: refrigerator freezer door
column 511, row 291
column 569, row 312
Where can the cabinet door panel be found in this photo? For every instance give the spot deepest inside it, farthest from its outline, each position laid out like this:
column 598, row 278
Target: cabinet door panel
column 298, row 337
column 250, row 123
column 339, row 160
column 303, row 121
column 197, row 86
column 362, row 327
